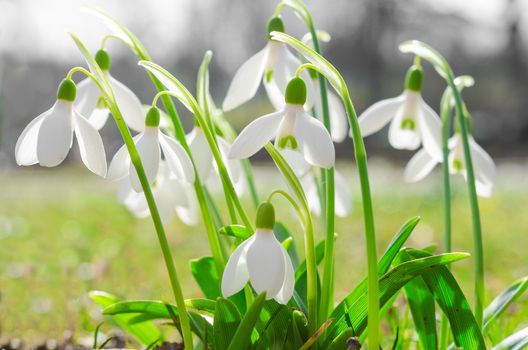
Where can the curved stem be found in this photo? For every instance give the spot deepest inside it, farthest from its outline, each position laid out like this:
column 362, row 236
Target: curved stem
column 85, row 72
column 116, row 37
column 289, row 199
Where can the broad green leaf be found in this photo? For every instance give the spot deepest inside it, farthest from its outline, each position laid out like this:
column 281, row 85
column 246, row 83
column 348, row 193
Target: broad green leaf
column 396, row 244
column 447, row 293
column 276, row 328
column 313, row 338
column 206, row 275
column 422, row 305
column 226, row 321
column 202, row 84
column 341, row 341
column 145, row 332
column 516, row 341
column 237, row 231
column 352, row 311
column 242, row 337
column 503, row 301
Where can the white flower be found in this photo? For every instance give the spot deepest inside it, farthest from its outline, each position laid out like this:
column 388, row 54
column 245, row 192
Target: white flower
column 413, row 121
column 49, row 137
column 171, row 194
column 274, row 64
column 292, row 128
column 149, row 144
column 484, row 168
column 336, row 111
column 263, row 261
column 204, row 162
column 91, row 104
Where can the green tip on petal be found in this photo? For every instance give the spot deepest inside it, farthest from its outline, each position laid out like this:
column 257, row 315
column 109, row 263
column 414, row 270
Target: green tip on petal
column 275, row 24
column 103, row 59
column 67, row 90
column 296, row 92
column 153, row 117
column 265, row 216
column 414, row 78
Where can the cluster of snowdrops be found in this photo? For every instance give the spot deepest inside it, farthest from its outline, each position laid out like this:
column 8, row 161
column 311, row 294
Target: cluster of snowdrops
column 257, row 294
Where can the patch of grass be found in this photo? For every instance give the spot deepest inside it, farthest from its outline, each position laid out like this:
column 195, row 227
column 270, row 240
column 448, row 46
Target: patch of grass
column 63, row 233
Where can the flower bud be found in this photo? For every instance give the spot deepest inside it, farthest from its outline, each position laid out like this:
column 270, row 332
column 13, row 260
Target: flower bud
column 414, row 78
column 296, row 92
column 153, row 117
column 103, row 59
column 265, row 216
column 275, row 24
column 67, row 90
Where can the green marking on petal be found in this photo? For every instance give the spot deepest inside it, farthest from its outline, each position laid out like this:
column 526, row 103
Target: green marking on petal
column 408, row 124
column 101, row 103
column 457, row 165
column 268, row 75
column 287, row 142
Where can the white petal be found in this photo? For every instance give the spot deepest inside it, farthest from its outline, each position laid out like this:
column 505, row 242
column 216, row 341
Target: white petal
column 26, row 146
column 234, row 166
column 338, row 118
column 90, row 145
column 149, row 152
column 187, row 207
column 431, row 129
column 485, row 169
column 378, row 115
column 201, row 153
column 296, row 161
column 265, row 263
column 246, row 81
column 343, row 199
column 255, row 135
column 99, row 117
column 419, row 166
column 236, row 273
column 315, row 141
column 312, row 194
column 275, row 95
column 129, row 105
column 88, row 95
column 55, row 135
column 177, row 159
column 403, row 138
column 288, row 284
column 120, row 163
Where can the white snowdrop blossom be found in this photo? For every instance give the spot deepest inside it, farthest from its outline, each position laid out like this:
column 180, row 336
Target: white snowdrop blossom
column 49, row 137
column 413, row 121
column 275, row 65
column 336, row 111
column 204, row 162
column 262, row 261
column 172, row 196
column 149, row 144
column 291, row 128
column 91, row 104
column 484, row 168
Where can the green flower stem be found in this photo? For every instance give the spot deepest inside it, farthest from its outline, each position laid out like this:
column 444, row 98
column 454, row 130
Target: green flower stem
column 158, row 225
column 370, row 233
column 309, row 242
column 446, row 127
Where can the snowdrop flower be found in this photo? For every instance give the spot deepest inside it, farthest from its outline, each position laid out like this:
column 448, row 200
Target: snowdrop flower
column 274, row 64
column 262, row 260
column 204, row 162
column 91, row 104
column 413, row 121
column 291, row 128
column 149, row 144
column 49, row 137
column 484, row 168
column 172, row 195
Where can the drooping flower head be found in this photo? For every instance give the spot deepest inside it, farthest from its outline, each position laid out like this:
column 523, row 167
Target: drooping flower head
column 413, row 122
column 292, row 128
column 421, row 164
column 275, row 65
column 91, row 104
column 150, row 143
column 262, row 260
column 49, row 137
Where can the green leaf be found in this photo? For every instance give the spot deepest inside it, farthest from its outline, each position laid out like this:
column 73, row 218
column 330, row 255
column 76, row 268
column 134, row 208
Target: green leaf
column 449, row 296
column 206, row 275
column 237, row 231
column 516, row 341
column 503, row 301
column 396, row 244
column 242, row 337
column 145, row 332
column 301, row 278
column 352, row 311
column 427, row 53
column 226, row 321
column 276, row 328
column 422, row 305
column 341, row 341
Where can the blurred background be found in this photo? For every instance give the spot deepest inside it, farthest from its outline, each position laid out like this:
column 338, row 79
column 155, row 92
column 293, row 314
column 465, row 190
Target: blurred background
column 62, row 231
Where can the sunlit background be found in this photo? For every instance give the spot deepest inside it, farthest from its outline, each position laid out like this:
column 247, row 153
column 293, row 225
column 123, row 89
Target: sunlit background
column 62, row 231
